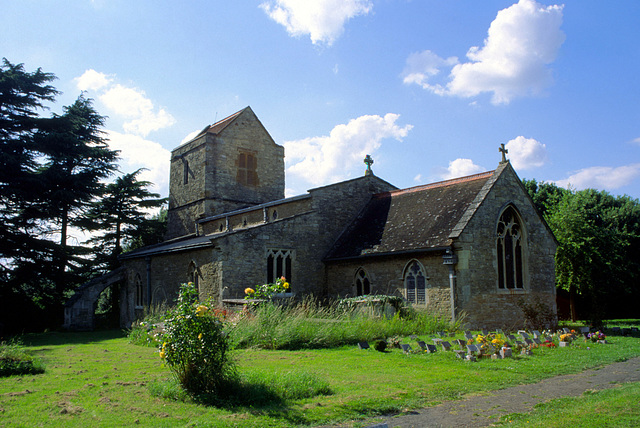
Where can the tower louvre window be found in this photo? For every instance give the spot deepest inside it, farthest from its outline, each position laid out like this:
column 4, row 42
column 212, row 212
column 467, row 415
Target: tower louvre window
column 247, row 169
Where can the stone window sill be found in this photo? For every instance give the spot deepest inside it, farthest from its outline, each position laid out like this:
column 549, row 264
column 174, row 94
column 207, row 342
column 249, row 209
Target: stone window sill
column 512, row 291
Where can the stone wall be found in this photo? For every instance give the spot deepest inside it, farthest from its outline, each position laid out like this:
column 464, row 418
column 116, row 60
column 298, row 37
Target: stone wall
column 168, row 271
column 386, row 274
column 477, row 291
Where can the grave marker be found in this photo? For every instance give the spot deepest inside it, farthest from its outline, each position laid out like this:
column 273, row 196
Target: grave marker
column 446, row 346
column 406, row 348
column 363, row 345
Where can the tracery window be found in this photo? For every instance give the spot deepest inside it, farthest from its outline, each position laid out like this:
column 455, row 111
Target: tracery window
column 139, row 296
column 510, row 251
column 415, row 283
column 247, row 166
column 279, row 265
column 362, row 283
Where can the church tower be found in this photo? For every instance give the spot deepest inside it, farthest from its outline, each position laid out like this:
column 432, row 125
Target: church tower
column 229, row 165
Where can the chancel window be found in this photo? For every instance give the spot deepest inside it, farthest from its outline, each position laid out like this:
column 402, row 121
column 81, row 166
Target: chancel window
column 139, row 296
column 247, row 169
column 362, row 283
column 279, row 265
column 415, row 283
column 510, row 252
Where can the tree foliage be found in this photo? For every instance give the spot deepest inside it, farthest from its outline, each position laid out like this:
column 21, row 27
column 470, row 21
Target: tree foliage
column 597, row 261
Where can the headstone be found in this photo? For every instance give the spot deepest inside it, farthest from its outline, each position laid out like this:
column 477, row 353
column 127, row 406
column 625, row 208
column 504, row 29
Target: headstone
column 518, row 343
column 460, row 342
column 446, row 346
column 431, row 348
column 528, row 341
column 536, row 341
column 422, row 345
column 584, row 330
column 507, row 344
column 548, row 339
column 524, row 335
column 566, row 330
column 496, row 356
column 470, row 358
column 472, row 349
column 468, row 336
column 442, row 333
column 564, row 344
column 459, row 353
column 616, row 330
column 506, row 352
column 436, row 340
column 406, row 348
column 536, row 334
column 511, row 337
column 363, row 345
column 485, row 331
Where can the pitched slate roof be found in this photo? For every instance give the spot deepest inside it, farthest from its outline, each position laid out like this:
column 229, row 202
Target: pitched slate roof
column 419, row 218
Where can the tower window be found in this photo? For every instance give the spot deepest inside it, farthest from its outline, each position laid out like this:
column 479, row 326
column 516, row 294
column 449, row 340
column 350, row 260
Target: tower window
column 247, row 166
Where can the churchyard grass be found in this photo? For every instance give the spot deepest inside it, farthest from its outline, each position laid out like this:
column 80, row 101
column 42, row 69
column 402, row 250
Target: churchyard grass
column 614, row 407
column 99, row 379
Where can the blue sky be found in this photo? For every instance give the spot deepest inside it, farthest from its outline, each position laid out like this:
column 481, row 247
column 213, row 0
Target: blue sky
column 429, row 88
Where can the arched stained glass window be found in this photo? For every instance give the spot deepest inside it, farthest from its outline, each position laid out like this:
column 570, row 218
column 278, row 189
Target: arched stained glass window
column 362, row 283
column 510, row 251
column 415, row 283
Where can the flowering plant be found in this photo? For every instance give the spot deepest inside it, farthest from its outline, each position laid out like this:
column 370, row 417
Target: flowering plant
column 598, row 335
column 566, row 337
column 195, row 345
column 267, row 291
column 491, row 343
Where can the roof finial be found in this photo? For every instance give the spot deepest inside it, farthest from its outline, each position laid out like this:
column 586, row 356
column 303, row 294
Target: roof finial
column 368, row 161
column 504, row 152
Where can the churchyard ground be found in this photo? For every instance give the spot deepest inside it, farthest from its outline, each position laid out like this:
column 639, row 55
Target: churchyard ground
column 99, row 379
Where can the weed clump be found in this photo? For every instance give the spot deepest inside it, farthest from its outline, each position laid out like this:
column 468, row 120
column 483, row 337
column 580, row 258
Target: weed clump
column 14, row 360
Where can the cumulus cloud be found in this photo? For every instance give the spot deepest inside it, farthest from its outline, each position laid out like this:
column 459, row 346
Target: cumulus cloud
column 133, row 104
column 526, row 153
column 322, row 20
column 522, row 41
column 326, row 159
column 136, row 152
column 92, row 80
column 460, row 168
column 602, row 177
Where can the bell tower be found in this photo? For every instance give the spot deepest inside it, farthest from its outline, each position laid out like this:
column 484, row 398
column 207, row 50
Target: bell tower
column 229, row 165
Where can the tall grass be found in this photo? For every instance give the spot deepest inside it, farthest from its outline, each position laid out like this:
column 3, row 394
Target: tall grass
column 14, row 360
column 310, row 325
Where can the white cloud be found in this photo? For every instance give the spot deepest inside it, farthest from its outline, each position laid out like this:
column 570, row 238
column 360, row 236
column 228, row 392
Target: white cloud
column 522, row 41
column 636, row 140
column 526, row 153
column 602, row 177
column 190, row 136
column 136, row 152
column 322, row 20
column 92, row 80
column 133, row 104
column 417, row 178
column 327, row 159
column 460, row 168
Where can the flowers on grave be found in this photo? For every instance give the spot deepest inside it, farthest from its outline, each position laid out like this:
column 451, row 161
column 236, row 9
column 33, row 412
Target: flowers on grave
column 490, row 343
column 566, row 337
column 598, row 335
column 268, row 291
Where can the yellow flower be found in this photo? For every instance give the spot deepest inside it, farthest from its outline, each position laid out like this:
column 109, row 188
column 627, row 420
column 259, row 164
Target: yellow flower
column 201, row 310
column 200, row 336
column 285, row 285
column 248, row 290
column 162, row 354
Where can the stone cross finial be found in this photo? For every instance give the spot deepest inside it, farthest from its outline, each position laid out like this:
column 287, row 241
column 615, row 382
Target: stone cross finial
column 368, row 161
column 504, row 152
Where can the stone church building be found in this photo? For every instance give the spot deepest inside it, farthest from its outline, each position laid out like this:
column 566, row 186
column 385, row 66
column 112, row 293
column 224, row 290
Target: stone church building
column 472, row 245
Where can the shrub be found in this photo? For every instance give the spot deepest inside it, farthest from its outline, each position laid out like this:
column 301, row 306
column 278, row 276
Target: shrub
column 14, row 360
column 195, row 345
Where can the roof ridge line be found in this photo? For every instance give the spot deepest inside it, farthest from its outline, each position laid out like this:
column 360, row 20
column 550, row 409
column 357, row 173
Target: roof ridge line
column 437, row 184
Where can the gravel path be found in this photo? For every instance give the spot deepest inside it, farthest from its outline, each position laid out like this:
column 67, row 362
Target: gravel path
column 486, row 409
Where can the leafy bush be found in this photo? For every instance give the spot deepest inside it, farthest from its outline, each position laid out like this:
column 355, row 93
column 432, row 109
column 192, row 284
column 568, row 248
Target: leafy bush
column 195, row 345
column 14, row 360
column 146, row 331
column 267, row 291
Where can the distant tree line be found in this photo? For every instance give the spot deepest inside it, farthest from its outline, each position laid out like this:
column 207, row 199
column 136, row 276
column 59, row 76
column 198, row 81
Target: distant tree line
column 598, row 255
column 54, row 174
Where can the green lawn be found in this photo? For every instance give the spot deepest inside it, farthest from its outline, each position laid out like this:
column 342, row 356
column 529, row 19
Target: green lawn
column 99, row 379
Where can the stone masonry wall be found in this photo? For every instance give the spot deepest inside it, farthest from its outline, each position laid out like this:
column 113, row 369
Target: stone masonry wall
column 386, row 274
column 477, row 272
column 168, row 271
